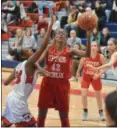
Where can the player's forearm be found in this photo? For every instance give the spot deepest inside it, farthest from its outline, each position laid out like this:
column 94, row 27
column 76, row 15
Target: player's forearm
column 101, row 73
column 105, row 67
column 80, row 53
column 80, row 67
column 88, row 45
column 10, row 78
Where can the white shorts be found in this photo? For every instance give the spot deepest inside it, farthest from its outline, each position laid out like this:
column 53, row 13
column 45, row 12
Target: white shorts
column 16, row 110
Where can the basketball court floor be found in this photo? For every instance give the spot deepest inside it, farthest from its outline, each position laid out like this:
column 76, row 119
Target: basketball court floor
column 75, row 103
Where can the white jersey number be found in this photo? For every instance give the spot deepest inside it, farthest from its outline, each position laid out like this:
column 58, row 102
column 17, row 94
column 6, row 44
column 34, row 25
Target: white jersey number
column 56, row 67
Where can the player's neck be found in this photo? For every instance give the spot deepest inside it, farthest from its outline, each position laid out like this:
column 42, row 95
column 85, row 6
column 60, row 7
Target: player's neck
column 59, row 46
column 93, row 54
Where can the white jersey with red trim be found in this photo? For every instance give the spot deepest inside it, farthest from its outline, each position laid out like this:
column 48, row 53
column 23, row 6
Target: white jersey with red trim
column 16, row 103
column 23, row 84
column 115, row 69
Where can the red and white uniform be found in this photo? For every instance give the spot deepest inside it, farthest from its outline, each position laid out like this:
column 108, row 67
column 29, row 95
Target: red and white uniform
column 16, row 110
column 55, row 88
column 88, row 73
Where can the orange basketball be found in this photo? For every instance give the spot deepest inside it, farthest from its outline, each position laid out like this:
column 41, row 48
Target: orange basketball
column 87, row 20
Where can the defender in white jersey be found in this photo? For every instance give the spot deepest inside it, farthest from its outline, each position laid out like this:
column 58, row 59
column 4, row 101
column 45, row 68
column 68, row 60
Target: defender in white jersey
column 16, row 110
column 112, row 48
column 25, row 75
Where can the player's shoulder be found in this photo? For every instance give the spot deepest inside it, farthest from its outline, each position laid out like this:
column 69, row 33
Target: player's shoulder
column 20, row 65
column 101, row 55
column 115, row 54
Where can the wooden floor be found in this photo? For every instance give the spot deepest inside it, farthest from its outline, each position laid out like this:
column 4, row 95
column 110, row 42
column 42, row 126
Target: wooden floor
column 75, row 105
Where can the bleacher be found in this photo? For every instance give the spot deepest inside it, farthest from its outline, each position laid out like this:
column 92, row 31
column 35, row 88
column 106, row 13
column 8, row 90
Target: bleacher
column 33, row 17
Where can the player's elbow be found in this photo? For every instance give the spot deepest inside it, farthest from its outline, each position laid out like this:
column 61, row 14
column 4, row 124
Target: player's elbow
column 6, row 83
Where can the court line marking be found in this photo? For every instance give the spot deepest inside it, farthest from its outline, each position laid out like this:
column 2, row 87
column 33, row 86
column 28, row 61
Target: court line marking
column 72, row 91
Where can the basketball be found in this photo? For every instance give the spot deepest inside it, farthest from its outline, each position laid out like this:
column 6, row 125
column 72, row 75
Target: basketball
column 87, row 20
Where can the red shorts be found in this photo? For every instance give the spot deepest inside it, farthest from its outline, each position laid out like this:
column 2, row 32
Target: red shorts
column 54, row 93
column 88, row 79
column 7, row 123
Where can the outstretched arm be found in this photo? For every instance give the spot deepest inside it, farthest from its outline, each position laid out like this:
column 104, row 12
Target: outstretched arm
column 10, row 78
column 30, row 64
column 109, row 65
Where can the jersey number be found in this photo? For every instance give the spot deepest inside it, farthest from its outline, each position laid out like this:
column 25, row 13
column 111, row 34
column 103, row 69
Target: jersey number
column 56, row 67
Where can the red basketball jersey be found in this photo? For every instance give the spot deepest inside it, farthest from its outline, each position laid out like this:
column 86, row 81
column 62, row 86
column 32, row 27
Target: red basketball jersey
column 92, row 61
column 59, row 63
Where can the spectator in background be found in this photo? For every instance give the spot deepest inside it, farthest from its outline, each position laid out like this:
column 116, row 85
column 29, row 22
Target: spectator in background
column 23, row 14
column 99, row 11
column 114, row 11
column 15, row 49
column 90, row 3
column 33, row 8
column 111, row 109
column 73, row 40
column 7, row 10
column 105, row 36
column 82, row 6
column 88, row 9
column 43, row 4
column 42, row 23
column 108, row 10
column 4, row 28
column 96, row 36
column 28, row 40
column 40, row 38
column 16, row 13
column 40, row 42
column 56, row 25
column 72, row 20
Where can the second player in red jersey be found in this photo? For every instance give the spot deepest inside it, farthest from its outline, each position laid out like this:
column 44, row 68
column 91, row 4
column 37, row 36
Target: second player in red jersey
column 92, row 77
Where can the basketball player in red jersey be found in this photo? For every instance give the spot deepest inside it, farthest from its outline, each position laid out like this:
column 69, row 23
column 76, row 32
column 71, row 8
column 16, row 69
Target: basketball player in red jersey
column 90, row 76
column 112, row 48
column 55, row 89
column 25, row 76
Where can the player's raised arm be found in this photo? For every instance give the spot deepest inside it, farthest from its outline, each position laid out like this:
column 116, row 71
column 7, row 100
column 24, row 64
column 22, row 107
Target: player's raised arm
column 37, row 54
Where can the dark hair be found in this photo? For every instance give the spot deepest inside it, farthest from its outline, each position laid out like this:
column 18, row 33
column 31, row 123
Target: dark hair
column 111, row 105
